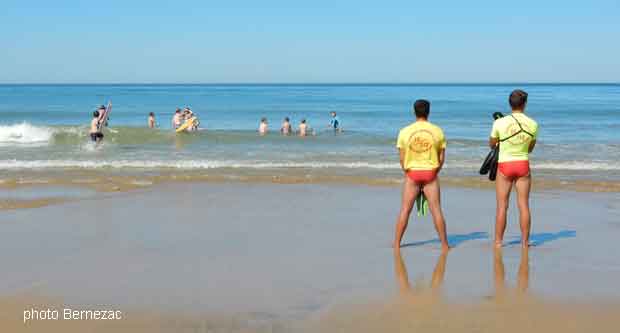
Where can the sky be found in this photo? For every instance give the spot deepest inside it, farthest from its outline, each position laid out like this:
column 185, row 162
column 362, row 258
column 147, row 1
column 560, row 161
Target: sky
column 271, row 41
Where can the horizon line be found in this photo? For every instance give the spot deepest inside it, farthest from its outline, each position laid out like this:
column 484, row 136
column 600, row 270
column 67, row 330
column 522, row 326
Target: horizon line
column 312, row 83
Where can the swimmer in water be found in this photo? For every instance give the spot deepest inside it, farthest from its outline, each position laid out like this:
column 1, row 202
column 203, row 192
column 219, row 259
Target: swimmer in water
column 262, row 128
column 303, row 128
column 177, row 119
column 151, row 121
column 286, row 128
column 334, row 123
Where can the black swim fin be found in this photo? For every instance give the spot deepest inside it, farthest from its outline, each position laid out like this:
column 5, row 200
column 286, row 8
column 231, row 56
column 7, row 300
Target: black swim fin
column 490, row 162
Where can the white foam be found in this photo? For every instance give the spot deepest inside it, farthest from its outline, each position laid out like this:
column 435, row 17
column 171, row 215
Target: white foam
column 250, row 164
column 186, row 164
column 550, row 165
column 25, row 133
column 578, row 165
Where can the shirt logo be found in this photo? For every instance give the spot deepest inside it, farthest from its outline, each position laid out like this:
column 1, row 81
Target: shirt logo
column 421, row 141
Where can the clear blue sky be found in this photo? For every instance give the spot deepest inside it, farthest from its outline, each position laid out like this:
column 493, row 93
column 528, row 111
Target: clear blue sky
column 320, row 41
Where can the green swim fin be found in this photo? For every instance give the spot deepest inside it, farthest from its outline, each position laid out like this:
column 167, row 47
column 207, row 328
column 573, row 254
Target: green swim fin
column 421, row 205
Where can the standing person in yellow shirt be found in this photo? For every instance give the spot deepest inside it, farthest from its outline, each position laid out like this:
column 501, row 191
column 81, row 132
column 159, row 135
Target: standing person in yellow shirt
column 516, row 135
column 422, row 147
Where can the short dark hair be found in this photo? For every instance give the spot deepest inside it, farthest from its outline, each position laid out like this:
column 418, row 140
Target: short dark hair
column 96, row 114
column 286, row 119
column 422, row 108
column 517, row 99
column 151, row 114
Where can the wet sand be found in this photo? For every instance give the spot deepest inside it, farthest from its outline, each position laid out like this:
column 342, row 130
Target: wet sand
column 111, row 181
column 265, row 257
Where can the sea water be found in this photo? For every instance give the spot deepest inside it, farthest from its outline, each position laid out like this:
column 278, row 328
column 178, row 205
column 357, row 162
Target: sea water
column 45, row 127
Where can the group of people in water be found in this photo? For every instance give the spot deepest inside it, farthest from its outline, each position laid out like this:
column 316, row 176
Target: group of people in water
column 180, row 117
column 303, row 129
column 422, row 147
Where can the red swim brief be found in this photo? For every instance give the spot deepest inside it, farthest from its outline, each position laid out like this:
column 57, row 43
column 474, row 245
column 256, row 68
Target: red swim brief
column 514, row 169
column 422, row 176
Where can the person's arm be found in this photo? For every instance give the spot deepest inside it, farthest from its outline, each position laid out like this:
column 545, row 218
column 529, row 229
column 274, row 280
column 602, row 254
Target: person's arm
column 534, row 138
column 401, row 153
column 441, row 153
column 442, row 159
column 532, row 145
column 494, row 137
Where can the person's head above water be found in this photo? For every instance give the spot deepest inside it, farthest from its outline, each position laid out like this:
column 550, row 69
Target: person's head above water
column 518, row 99
column 96, row 114
column 286, row 119
column 151, row 114
column 303, row 121
column 263, row 120
column 333, row 113
column 422, row 108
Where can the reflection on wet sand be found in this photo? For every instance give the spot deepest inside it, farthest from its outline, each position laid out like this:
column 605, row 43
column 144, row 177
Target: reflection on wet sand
column 523, row 275
column 402, row 277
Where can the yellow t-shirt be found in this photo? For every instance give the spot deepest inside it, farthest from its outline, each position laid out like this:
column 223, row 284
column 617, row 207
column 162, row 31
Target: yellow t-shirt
column 422, row 142
column 516, row 148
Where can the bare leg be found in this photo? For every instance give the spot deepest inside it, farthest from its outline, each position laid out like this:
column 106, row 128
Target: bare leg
column 523, row 185
column 410, row 192
column 503, row 186
column 432, row 191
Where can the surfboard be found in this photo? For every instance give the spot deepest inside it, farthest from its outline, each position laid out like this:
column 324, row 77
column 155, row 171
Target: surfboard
column 104, row 117
column 187, row 124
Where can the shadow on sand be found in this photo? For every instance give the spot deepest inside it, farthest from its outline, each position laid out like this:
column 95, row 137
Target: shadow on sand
column 453, row 240
column 545, row 237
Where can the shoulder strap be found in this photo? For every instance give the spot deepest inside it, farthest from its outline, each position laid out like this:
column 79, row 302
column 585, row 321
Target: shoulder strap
column 521, row 130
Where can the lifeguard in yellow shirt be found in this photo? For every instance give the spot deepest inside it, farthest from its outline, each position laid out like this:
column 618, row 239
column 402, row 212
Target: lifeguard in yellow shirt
column 516, row 135
column 421, row 147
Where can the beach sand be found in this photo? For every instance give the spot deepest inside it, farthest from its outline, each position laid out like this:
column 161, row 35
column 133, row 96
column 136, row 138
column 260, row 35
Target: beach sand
column 253, row 257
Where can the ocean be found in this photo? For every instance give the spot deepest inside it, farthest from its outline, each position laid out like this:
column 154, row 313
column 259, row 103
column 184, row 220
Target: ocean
column 43, row 129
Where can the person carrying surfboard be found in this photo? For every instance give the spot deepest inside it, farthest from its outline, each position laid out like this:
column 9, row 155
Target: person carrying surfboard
column 516, row 136
column 95, row 125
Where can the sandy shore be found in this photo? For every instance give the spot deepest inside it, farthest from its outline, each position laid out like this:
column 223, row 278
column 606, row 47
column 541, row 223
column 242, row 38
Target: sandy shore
column 109, row 181
column 35, row 189
column 264, row 257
